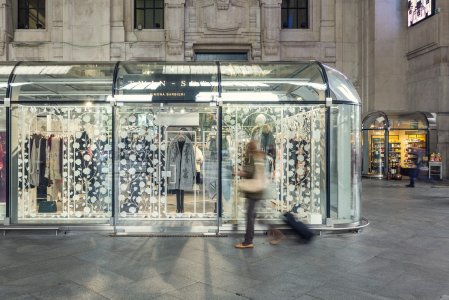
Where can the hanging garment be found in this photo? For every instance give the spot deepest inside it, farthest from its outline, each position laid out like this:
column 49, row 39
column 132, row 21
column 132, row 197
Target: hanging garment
column 34, row 160
column 226, row 178
column 265, row 138
column 181, row 164
column 137, row 164
column 97, row 179
column 198, row 163
column 301, row 161
column 53, row 171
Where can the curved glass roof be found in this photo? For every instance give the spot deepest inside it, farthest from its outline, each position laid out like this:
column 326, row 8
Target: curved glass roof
column 5, row 71
column 396, row 120
column 272, row 82
column 375, row 120
column 340, row 86
column 51, row 81
column 189, row 81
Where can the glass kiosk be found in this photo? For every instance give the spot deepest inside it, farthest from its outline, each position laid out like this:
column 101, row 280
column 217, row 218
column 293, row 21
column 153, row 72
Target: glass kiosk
column 157, row 143
column 5, row 72
column 388, row 139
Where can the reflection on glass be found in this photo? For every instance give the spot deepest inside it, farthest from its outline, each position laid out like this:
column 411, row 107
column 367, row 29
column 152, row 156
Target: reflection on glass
column 64, row 162
column 293, row 140
column 299, row 82
column 62, row 82
column 345, row 176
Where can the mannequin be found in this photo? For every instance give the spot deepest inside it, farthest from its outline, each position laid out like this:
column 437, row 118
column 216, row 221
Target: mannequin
column 181, row 161
column 263, row 133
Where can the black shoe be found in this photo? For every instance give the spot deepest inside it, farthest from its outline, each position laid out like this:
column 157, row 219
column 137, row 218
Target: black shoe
column 410, row 185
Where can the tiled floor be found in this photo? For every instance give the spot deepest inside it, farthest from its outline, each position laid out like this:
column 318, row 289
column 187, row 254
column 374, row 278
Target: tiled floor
column 403, row 254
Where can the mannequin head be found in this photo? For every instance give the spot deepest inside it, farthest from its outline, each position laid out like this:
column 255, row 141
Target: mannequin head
column 260, row 119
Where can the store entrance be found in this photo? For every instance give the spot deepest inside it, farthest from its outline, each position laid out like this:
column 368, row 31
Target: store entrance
column 167, row 164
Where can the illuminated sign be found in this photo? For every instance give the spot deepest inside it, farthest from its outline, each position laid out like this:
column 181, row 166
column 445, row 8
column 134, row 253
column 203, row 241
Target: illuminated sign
column 168, row 87
column 419, row 10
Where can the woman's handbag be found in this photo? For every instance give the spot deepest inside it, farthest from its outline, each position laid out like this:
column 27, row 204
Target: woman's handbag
column 259, row 181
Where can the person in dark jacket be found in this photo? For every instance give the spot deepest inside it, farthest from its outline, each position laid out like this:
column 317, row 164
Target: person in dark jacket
column 414, row 172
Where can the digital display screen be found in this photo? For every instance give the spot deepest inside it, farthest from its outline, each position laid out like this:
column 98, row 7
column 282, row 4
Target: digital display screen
column 419, row 10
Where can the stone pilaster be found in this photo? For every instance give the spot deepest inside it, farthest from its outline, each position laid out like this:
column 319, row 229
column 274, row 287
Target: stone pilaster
column 174, row 30
column 5, row 27
column 270, row 29
column 117, row 30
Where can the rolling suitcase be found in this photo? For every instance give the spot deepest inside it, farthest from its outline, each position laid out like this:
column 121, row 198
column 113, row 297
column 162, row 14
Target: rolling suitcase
column 299, row 227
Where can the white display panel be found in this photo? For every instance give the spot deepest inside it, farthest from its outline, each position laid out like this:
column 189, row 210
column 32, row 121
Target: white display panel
column 419, row 10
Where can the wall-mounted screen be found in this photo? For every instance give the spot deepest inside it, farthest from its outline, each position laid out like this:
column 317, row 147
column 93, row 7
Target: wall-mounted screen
column 419, row 10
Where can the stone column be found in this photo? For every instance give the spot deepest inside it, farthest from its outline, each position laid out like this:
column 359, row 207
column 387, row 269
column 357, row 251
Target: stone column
column 57, row 30
column 6, row 28
column 117, row 30
column 174, row 30
column 270, row 29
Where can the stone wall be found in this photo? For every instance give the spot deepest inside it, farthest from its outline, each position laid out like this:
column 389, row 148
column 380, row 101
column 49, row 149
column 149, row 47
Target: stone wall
column 428, row 73
column 85, row 30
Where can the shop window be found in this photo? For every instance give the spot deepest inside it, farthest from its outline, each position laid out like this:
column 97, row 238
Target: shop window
column 148, row 14
column 292, row 138
column 31, row 14
column 295, row 14
column 64, row 162
column 168, row 162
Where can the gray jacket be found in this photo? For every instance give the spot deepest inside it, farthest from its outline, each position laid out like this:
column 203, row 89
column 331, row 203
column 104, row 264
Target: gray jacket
column 181, row 165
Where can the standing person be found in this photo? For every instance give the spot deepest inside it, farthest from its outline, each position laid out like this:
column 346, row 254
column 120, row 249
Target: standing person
column 253, row 170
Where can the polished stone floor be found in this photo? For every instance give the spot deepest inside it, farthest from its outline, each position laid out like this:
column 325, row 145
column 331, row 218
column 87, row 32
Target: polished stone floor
column 403, row 254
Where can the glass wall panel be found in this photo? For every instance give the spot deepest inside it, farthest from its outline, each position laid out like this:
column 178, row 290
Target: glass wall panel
column 276, row 82
column 293, row 137
column 345, row 163
column 62, row 156
column 374, row 153
column 168, row 162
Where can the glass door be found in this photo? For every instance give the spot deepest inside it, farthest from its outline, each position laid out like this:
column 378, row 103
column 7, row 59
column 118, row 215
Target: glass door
column 167, row 165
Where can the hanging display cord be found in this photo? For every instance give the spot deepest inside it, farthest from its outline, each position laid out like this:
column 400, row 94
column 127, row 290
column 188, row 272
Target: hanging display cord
column 114, row 212
column 7, row 162
column 220, row 157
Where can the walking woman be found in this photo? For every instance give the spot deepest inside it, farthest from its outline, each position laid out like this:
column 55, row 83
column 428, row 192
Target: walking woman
column 252, row 186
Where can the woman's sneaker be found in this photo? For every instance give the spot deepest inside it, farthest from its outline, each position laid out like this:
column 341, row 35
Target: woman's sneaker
column 244, row 245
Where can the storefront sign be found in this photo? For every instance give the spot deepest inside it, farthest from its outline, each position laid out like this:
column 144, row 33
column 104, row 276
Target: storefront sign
column 163, row 87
